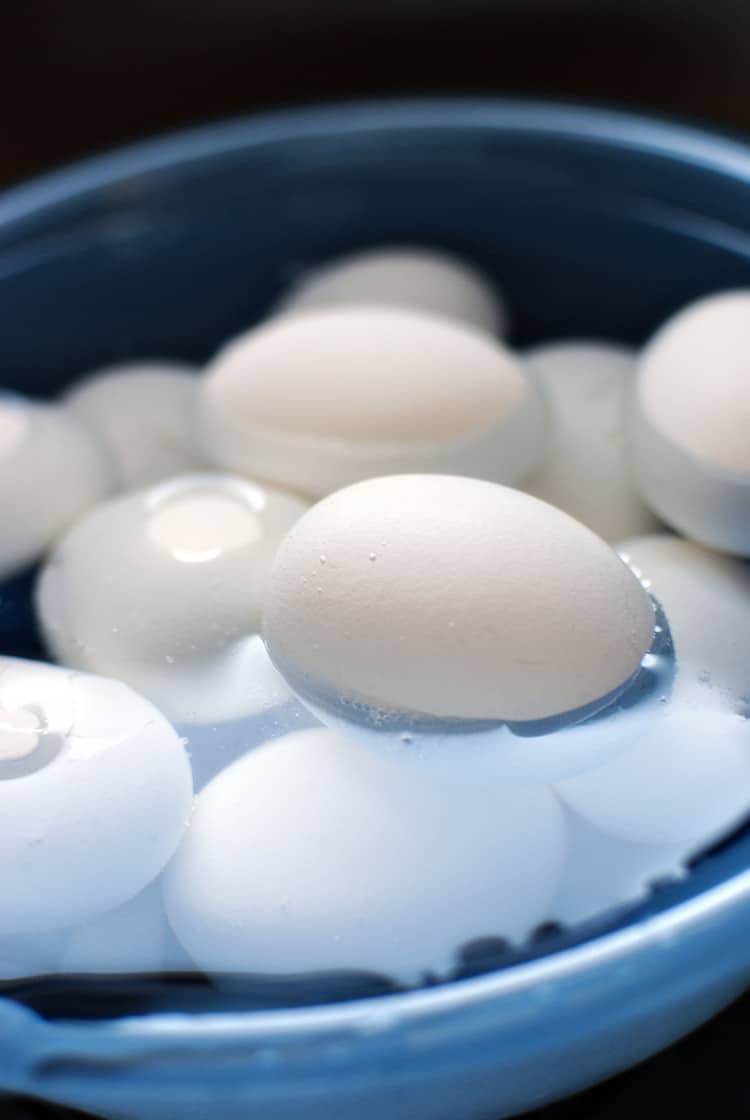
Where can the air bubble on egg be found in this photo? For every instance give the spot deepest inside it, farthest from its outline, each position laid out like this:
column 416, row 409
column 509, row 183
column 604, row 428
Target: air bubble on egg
column 316, row 826
column 402, row 276
column 145, row 416
column 685, row 781
column 586, row 470
column 690, row 423
column 319, row 400
column 50, row 473
column 485, row 607
column 707, row 598
column 94, row 805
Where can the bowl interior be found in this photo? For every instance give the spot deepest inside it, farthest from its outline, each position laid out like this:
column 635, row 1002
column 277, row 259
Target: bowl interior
column 590, row 223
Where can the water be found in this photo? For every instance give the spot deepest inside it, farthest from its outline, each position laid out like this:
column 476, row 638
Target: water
column 638, row 787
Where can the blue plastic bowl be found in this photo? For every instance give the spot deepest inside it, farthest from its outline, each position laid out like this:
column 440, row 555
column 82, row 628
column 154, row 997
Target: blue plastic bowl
column 593, row 223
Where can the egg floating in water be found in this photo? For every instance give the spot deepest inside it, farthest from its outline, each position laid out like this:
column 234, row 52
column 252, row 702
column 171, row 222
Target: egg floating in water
column 145, row 416
column 439, row 609
column 691, row 447
column 585, row 469
column 95, row 794
column 50, row 473
column 163, row 588
column 342, row 860
column 706, row 597
column 319, row 400
column 685, row 780
column 403, row 276
column 134, row 937
column 605, row 873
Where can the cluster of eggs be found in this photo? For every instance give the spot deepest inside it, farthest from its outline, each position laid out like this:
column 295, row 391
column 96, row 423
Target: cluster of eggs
column 397, row 604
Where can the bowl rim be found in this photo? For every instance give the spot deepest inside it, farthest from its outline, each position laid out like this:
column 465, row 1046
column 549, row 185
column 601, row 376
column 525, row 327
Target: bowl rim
column 21, row 205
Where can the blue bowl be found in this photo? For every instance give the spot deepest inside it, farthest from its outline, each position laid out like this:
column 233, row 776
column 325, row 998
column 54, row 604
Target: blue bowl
column 592, row 223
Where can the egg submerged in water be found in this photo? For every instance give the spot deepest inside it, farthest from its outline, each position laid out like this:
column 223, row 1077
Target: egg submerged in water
column 436, row 607
column 315, row 854
column 586, row 470
column 706, row 596
column 95, row 793
column 163, row 588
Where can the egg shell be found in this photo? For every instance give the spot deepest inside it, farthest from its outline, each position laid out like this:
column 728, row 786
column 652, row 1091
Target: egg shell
column 314, row 854
column 145, row 416
column 690, row 422
column 706, row 597
column 134, row 937
column 92, row 815
column 403, row 276
column 24, row 956
column 454, row 599
column 604, row 873
column 586, row 469
column 165, row 581
column 51, row 472
column 319, row 400
column 686, row 781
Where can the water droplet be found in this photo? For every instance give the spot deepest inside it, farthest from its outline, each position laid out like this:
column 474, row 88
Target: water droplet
column 373, row 556
column 169, row 660
column 323, row 558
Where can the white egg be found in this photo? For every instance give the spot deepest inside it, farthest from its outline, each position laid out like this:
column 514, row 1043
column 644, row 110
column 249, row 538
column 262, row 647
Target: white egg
column 691, row 422
column 706, row 597
column 313, row 854
column 685, row 782
column 95, row 793
column 604, row 873
column 403, row 276
column 166, row 583
column 134, row 937
column 316, row 401
column 145, row 416
column 450, row 601
column 50, row 473
column 586, row 471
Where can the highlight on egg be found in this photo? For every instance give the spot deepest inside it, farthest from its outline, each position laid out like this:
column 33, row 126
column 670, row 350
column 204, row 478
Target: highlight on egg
column 163, row 588
column 95, row 794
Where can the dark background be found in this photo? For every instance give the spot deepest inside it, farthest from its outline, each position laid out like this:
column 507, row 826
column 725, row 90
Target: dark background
column 81, row 75
column 78, row 76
